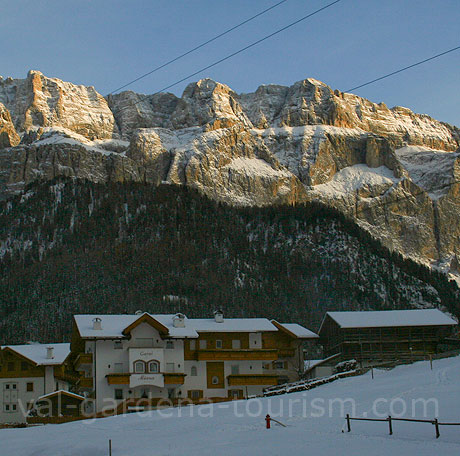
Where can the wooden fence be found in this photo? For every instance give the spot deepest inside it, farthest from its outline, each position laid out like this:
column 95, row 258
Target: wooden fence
column 390, row 421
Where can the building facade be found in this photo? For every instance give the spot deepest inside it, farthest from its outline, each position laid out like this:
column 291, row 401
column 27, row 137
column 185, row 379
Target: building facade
column 384, row 335
column 28, row 372
column 127, row 360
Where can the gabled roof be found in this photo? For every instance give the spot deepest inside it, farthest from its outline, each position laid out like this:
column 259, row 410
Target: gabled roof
column 118, row 326
column 61, row 392
column 114, row 326
column 295, row 330
column 390, row 318
column 36, row 353
column 152, row 321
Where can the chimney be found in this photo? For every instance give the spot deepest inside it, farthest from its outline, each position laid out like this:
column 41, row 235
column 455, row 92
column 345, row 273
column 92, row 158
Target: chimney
column 97, row 324
column 49, row 352
column 179, row 320
column 218, row 316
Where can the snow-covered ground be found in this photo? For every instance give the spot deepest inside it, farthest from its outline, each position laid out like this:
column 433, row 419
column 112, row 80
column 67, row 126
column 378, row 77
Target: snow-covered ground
column 238, row 428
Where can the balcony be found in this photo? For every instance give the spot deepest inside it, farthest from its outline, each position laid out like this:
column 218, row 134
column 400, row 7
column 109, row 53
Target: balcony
column 174, row 379
column 252, row 379
column 83, row 359
column 146, row 379
column 286, row 353
column 118, row 379
column 85, row 382
column 230, row 355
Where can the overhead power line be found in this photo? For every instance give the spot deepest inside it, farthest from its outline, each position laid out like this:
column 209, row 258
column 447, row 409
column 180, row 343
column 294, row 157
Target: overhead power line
column 220, row 35
column 403, row 69
column 233, row 54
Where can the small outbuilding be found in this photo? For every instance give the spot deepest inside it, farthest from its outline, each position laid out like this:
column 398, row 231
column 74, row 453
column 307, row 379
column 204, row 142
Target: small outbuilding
column 59, row 404
column 384, row 335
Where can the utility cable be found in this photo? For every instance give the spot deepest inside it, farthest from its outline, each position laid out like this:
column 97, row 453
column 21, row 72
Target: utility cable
column 220, row 35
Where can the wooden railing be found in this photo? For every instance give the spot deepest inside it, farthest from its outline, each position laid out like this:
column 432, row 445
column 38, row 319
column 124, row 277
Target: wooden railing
column 245, row 354
column 390, row 421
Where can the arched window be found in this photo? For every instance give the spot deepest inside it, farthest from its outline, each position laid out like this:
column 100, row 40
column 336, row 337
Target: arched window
column 139, row 367
column 154, row 367
column 193, row 371
column 215, row 380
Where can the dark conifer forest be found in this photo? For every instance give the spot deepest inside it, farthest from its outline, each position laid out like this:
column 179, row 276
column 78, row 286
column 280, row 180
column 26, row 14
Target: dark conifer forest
column 79, row 247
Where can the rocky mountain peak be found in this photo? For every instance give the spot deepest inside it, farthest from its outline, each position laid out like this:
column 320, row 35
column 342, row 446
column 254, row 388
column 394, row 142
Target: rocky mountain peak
column 393, row 171
column 209, row 103
column 39, row 101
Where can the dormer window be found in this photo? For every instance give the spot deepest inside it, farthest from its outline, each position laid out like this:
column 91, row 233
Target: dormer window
column 139, row 367
column 218, row 343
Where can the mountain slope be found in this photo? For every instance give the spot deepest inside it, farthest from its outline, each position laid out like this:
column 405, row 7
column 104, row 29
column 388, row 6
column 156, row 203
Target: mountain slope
column 279, row 145
column 73, row 246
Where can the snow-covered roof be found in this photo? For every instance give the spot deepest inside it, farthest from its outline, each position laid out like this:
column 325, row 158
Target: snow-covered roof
column 113, row 325
column 55, row 393
column 37, row 353
column 387, row 318
column 232, row 325
column 309, row 363
column 300, row 331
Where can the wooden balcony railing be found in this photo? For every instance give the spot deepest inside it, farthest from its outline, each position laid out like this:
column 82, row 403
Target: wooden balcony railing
column 252, row 379
column 229, row 355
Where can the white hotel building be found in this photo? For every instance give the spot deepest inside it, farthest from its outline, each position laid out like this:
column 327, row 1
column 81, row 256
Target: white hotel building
column 128, row 360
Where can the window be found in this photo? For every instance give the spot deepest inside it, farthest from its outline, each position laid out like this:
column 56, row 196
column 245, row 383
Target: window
column 215, row 380
column 13, row 407
column 144, row 342
column 202, row 344
column 235, row 394
column 118, row 394
column 11, row 366
column 218, row 343
column 6, row 407
column 278, row 365
column 235, row 369
column 195, row 394
column 30, row 386
column 193, row 371
column 24, row 366
column 118, row 345
column 14, row 386
column 139, row 367
column 192, row 345
column 236, row 344
column 154, row 367
column 7, row 386
column 169, row 344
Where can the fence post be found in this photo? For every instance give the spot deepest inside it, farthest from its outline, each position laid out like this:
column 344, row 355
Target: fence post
column 110, row 447
column 436, row 425
column 348, row 423
column 390, row 426
column 431, row 362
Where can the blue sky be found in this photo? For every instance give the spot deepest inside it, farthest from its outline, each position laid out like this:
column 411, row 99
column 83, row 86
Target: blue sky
column 107, row 43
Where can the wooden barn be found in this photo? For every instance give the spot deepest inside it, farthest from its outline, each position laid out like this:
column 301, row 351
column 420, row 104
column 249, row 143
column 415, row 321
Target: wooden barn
column 384, row 335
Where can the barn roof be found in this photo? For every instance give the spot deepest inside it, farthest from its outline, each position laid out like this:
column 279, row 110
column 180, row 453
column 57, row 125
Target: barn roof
column 391, row 318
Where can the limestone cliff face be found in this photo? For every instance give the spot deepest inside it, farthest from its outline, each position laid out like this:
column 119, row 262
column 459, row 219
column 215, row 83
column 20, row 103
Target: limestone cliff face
column 8, row 135
column 38, row 101
column 395, row 172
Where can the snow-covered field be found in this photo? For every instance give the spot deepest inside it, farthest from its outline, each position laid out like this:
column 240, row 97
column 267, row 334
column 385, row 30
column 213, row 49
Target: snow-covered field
column 238, row 428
